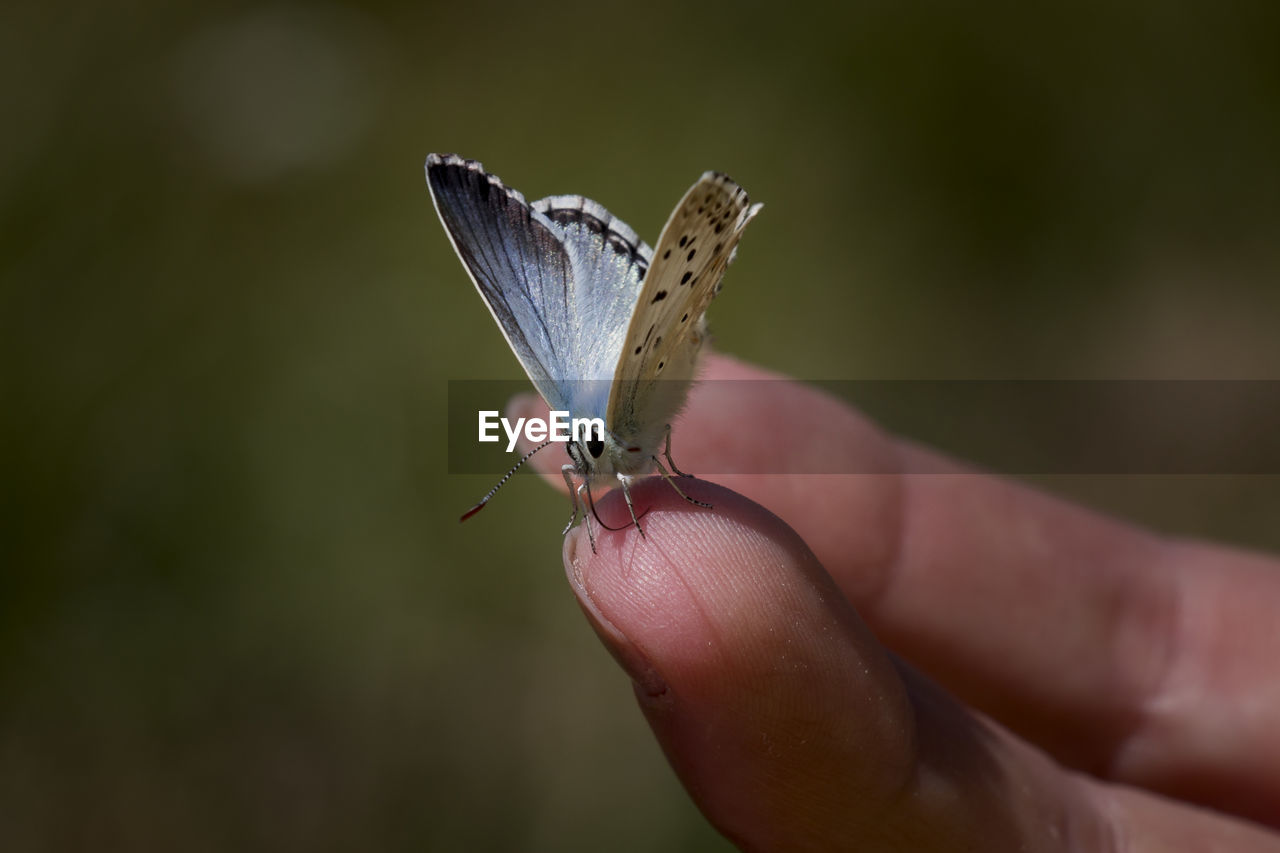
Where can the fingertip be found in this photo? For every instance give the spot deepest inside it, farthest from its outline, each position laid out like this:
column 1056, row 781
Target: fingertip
column 580, row 561
column 735, row 636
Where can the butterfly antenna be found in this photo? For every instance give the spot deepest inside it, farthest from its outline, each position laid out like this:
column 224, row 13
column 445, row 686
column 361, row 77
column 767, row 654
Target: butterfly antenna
column 516, row 467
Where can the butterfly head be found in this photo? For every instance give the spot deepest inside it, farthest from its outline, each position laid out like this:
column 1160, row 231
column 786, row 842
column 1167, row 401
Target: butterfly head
column 601, row 455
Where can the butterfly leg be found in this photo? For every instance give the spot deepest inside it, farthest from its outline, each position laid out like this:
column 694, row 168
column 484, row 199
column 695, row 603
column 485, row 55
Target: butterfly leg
column 626, row 493
column 666, row 451
column 586, row 516
column 575, row 498
column 567, row 471
column 588, row 510
column 666, row 476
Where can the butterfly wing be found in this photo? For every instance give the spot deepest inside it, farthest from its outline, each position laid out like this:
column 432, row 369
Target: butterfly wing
column 560, row 277
column 609, row 261
column 668, row 324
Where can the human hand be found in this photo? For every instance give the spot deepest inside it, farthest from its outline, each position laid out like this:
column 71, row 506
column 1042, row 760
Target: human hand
column 1074, row 683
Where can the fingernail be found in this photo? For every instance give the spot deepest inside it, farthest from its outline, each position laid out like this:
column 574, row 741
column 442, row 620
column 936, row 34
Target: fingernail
column 625, row 652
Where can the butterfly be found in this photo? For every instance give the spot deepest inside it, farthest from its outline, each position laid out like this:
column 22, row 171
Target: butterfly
column 604, row 326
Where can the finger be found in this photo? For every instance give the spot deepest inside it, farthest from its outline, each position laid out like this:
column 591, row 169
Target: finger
column 791, row 727
column 1123, row 654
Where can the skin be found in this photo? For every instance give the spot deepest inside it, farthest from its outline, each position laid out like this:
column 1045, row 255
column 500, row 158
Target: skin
column 929, row 661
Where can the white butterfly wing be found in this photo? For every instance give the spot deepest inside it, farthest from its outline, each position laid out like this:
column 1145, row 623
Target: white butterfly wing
column 668, row 324
column 560, row 277
column 608, row 260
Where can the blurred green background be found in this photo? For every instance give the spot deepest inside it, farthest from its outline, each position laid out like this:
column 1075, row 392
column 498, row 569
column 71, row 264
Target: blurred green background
column 237, row 610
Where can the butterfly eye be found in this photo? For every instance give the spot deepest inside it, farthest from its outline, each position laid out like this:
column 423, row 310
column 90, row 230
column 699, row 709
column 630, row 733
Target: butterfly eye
column 594, row 444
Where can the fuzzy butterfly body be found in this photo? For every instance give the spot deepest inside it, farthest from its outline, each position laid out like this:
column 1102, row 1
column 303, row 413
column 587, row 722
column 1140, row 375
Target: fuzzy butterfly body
column 603, row 325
